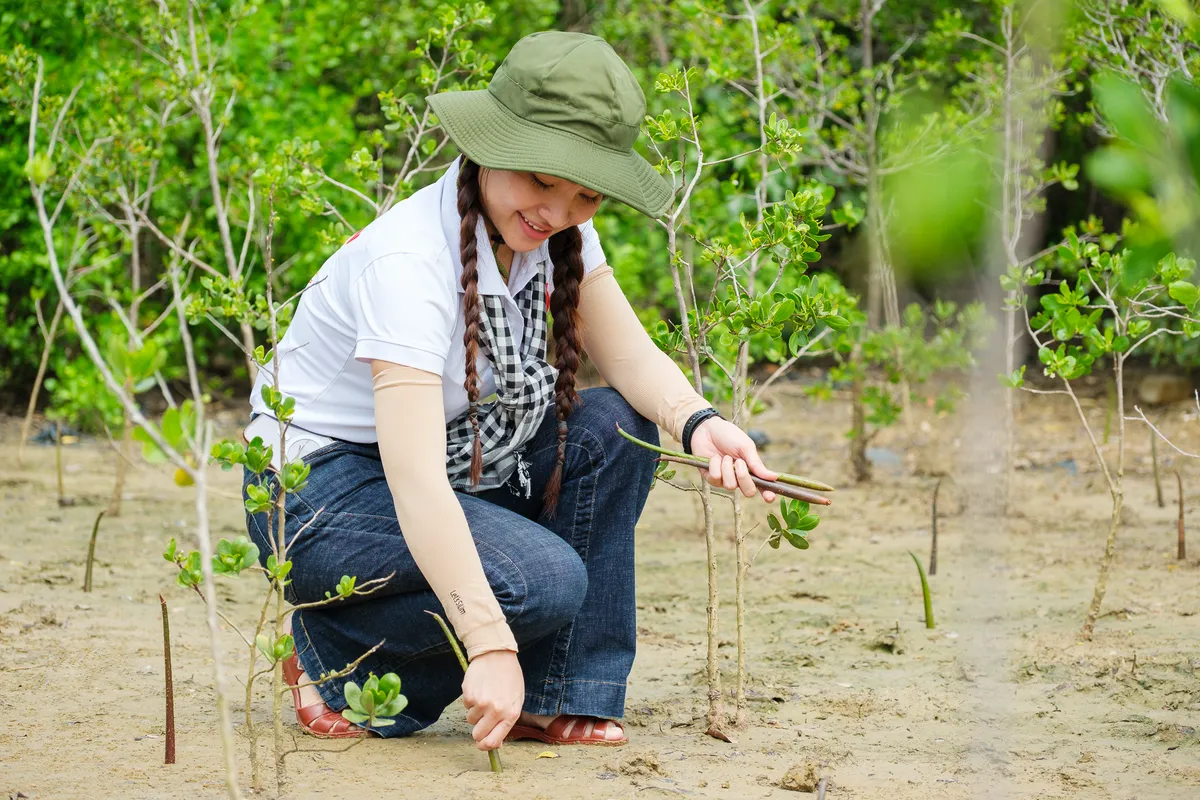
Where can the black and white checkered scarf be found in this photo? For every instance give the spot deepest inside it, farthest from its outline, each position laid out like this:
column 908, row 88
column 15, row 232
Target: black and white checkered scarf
column 524, row 389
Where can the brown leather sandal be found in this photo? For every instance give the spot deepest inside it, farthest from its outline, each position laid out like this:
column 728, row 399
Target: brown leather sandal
column 319, row 720
column 569, row 729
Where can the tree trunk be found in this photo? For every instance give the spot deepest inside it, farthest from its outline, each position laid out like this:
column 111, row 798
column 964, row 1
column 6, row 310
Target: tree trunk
column 716, row 699
column 1118, row 498
column 122, row 459
column 859, row 463
column 1110, row 549
column 37, row 383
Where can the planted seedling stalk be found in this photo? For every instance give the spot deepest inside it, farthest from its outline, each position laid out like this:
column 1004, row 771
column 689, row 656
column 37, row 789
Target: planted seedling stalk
column 170, row 689
column 58, row 465
column 925, row 595
column 91, row 556
column 1181, row 554
column 1158, row 492
column 493, row 756
column 933, row 529
column 794, row 486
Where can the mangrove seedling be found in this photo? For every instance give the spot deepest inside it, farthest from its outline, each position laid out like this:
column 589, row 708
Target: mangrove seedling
column 933, row 529
column 925, row 595
column 91, row 556
column 493, row 756
column 1158, row 490
column 1181, row 553
column 169, row 731
column 796, row 487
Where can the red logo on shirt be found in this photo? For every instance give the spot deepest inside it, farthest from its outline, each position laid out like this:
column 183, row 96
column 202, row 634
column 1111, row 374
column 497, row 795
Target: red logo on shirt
column 352, row 238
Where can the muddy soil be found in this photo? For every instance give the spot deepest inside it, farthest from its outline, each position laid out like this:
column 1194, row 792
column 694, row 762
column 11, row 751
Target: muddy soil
column 845, row 681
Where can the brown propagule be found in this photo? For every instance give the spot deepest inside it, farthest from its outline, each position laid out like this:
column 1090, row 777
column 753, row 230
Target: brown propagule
column 169, row 732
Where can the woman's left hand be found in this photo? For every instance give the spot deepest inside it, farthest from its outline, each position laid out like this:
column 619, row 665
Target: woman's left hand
column 732, row 457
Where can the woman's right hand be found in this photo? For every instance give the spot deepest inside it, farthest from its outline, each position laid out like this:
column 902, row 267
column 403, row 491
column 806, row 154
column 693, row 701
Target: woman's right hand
column 493, row 692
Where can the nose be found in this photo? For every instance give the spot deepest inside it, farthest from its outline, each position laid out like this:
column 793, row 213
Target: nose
column 556, row 215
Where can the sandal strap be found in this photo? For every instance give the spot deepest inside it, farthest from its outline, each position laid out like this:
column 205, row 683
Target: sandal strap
column 322, row 719
column 578, row 728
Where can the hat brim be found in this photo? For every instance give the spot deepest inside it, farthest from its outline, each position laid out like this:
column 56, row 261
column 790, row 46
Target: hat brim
column 494, row 137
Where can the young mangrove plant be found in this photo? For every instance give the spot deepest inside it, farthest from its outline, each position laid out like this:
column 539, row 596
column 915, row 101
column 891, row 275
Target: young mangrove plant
column 493, row 755
column 740, row 283
column 91, row 554
column 169, row 686
column 925, row 594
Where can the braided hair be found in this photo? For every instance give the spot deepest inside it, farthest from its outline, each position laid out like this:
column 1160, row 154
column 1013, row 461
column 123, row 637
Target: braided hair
column 566, row 255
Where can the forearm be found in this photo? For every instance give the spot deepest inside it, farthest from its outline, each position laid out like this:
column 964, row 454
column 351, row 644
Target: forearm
column 411, row 425
column 628, row 359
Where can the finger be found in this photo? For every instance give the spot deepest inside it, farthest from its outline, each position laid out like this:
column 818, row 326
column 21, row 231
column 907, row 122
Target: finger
column 728, row 476
column 484, row 727
column 769, row 496
column 474, row 714
column 755, row 462
column 745, row 483
column 496, row 738
column 714, row 470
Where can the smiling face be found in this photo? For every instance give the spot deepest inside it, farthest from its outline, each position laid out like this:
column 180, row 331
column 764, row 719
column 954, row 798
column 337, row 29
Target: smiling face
column 527, row 208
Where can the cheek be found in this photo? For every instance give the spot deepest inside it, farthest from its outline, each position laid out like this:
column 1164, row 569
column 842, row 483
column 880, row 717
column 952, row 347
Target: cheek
column 583, row 211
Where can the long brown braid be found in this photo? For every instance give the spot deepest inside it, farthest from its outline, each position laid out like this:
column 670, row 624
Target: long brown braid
column 469, row 210
column 566, row 253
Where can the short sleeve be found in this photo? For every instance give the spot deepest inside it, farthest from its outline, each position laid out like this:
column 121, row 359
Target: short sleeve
column 404, row 311
column 593, row 254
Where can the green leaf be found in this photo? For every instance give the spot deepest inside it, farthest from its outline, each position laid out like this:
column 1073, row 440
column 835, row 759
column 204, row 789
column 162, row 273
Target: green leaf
column 1184, row 293
column 1125, row 108
column 263, row 642
column 1119, row 170
column 796, row 540
column 352, row 693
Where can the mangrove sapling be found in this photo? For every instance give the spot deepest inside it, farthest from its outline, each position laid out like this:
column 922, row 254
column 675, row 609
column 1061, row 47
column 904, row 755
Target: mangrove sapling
column 91, row 556
column 169, row 692
column 1016, row 79
column 933, row 515
column 48, row 335
column 787, row 485
column 1158, row 490
column 493, row 755
column 267, row 494
column 1073, row 331
column 737, row 309
column 1181, row 551
column 925, row 594
column 43, row 164
column 63, row 500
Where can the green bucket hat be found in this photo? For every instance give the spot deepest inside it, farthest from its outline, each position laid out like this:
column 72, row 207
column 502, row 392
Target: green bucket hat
column 563, row 104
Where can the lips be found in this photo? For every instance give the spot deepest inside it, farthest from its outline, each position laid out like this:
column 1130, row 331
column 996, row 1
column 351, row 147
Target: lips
column 531, row 231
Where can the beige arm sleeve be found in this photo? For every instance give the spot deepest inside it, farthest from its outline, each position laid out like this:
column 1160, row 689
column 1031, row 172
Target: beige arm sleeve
column 411, row 424
column 627, row 357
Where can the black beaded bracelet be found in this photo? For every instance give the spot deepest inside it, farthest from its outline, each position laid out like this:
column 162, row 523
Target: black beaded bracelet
column 693, row 422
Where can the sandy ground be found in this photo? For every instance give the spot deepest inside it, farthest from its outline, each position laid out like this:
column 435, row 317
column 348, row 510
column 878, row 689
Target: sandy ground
column 999, row 701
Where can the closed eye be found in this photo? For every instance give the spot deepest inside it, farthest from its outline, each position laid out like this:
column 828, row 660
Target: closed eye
column 594, row 199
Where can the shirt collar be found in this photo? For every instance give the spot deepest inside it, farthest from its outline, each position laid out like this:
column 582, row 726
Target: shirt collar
column 490, row 280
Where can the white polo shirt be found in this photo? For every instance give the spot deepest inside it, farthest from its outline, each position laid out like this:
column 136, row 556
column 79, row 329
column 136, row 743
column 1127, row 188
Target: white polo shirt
column 393, row 292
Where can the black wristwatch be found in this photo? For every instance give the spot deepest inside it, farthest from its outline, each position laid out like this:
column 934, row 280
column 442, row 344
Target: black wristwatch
column 693, row 422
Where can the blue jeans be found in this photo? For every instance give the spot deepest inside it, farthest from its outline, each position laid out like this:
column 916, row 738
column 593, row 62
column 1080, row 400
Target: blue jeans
column 543, row 571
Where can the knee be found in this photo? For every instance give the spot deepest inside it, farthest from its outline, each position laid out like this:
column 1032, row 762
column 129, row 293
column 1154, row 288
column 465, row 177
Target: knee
column 552, row 584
